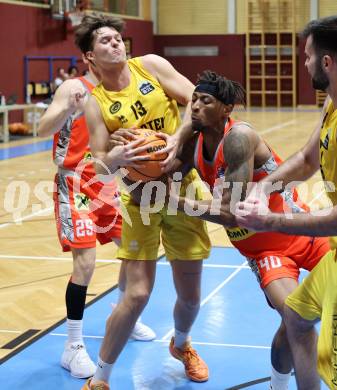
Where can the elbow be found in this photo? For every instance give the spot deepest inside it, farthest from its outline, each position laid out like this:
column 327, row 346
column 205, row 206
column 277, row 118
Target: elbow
column 41, row 132
column 310, row 166
column 184, row 100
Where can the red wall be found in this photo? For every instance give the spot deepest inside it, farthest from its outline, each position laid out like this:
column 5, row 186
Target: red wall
column 230, row 62
column 31, row 31
column 306, row 94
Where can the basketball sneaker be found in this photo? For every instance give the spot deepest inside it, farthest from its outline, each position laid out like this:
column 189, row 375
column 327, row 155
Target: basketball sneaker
column 140, row 332
column 75, row 359
column 97, row 386
column 195, row 368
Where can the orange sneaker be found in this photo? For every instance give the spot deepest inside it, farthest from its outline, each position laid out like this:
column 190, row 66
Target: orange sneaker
column 195, row 368
column 96, row 386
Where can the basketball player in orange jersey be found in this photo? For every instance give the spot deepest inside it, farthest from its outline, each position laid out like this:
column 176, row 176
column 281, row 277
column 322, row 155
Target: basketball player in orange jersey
column 83, row 213
column 316, row 298
column 228, row 155
column 143, row 92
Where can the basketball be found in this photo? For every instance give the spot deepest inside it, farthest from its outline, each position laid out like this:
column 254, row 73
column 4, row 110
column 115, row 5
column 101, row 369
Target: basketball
column 150, row 169
column 14, row 128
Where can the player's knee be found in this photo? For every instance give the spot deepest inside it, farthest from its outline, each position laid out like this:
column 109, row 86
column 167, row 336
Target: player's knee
column 137, row 299
column 190, row 303
column 84, row 268
column 295, row 324
column 281, row 334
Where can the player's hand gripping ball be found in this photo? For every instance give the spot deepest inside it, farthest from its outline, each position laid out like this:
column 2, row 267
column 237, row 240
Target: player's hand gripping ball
column 149, row 169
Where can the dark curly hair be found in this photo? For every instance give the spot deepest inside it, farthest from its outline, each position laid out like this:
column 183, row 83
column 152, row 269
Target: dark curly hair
column 85, row 32
column 227, row 90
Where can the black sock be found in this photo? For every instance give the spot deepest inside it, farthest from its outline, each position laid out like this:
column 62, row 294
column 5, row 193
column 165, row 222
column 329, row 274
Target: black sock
column 75, row 300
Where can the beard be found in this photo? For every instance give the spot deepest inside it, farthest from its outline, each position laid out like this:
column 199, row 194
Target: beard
column 320, row 80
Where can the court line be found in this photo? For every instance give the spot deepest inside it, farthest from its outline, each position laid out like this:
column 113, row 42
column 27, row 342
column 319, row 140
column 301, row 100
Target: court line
column 252, row 383
column 277, row 127
column 11, row 331
column 25, row 149
column 158, row 341
column 161, row 341
column 47, row 331
column 69, row 259
column 18, row 220
column 210, row 295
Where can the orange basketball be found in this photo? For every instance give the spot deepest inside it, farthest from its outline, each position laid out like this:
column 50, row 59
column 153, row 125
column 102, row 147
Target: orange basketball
column 151, row 169
column 14, row 128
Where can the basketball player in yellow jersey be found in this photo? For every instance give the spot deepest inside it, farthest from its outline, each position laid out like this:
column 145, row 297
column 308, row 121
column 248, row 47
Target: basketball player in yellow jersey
column 143, row 92
column 316, row 297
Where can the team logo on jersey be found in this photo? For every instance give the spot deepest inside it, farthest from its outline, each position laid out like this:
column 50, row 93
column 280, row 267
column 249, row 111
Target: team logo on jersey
column 238, row 234
column 87, row 156
column 134, row 245
column 146, row 87
column 115, row 107
column 325, row 143
column 123, row 119
column 81, row 202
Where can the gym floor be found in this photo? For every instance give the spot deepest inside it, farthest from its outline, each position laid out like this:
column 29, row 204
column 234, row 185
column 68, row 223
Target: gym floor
column 233, row 331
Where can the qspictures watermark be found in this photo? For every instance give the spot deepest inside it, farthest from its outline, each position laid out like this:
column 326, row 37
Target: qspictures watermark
column 155, row 195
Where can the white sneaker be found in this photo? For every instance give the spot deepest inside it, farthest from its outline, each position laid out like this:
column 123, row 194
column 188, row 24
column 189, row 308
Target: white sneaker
column 140, row 332
column 75, row 359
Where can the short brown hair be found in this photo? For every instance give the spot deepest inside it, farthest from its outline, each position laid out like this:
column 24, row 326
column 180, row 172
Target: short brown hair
column 84, row 34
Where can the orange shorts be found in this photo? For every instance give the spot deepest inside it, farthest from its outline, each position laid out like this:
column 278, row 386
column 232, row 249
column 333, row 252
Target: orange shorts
column 85, row 213
column 304, row 252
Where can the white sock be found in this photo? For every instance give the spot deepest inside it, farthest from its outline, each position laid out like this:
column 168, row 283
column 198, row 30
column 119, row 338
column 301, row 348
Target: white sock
column 279, row 381
column 180, row 338
column 103, row 371
column 74, row 331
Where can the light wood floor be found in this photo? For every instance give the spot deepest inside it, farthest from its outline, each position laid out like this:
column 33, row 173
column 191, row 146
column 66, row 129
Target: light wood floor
column 33, row 270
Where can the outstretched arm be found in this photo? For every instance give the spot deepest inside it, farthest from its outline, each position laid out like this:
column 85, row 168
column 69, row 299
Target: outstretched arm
column 321, row 223
column 304, row 163
column 255, row 215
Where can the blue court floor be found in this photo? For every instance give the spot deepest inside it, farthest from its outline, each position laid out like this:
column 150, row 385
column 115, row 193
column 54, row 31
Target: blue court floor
column 233, row 333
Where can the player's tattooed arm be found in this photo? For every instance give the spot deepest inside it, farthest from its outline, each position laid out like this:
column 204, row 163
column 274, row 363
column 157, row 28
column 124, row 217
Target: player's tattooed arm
column 239, row 148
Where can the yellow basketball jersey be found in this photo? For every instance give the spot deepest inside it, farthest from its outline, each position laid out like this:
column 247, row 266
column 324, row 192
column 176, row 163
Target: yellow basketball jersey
column 328, row 156
column 143, row 103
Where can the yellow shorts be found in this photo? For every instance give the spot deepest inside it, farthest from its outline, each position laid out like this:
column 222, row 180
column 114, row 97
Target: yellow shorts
column 183, row 237
column 316, row 297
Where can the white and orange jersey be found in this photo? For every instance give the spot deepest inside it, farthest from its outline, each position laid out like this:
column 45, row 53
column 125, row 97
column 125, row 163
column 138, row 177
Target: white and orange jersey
column 71, row 143
column 250, row 243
